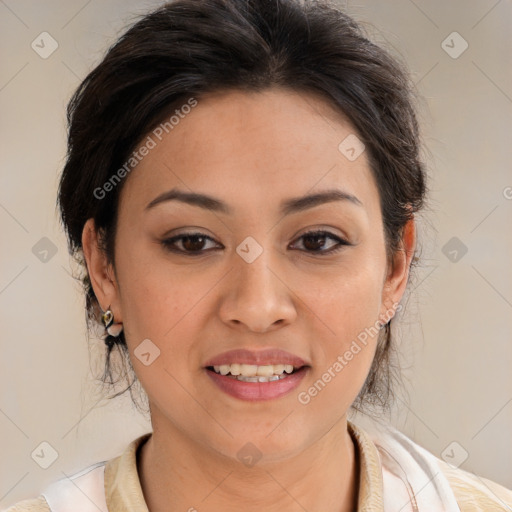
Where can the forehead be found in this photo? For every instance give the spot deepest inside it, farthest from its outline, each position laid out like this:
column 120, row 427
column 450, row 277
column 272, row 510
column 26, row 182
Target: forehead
column 251, row 148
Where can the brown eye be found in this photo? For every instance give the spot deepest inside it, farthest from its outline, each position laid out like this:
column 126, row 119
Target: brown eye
column 191, row 243
column 313, row 241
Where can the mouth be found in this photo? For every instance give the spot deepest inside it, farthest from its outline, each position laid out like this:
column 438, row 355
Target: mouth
column 255, row 373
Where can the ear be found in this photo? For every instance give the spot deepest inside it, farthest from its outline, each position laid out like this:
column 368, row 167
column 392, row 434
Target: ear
column 101, row 273
column 398, row 270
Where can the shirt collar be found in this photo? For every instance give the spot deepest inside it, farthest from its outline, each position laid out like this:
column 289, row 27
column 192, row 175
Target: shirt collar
column 124, row 492
column 122, row 485
column 370, row 496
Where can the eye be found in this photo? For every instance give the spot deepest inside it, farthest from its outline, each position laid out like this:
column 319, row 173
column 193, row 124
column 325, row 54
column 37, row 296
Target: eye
column 313, row 241
column 192, row 243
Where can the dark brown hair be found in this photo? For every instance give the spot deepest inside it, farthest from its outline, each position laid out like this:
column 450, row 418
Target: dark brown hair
column 190, row 47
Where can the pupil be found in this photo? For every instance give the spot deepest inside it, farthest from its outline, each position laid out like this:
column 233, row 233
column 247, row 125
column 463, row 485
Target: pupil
column 314, row 237
column 191, row 245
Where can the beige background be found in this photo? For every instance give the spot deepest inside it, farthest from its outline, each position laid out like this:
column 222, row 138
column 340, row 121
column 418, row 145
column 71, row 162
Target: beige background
column 456, row 332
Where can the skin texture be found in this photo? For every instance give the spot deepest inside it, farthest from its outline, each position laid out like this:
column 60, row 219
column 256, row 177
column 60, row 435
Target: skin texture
column 251, row 150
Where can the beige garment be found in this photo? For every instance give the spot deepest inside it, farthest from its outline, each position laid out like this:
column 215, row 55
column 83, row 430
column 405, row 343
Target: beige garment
column 123, row 491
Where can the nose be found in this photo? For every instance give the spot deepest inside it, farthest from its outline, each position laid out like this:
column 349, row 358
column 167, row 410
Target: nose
column 258, row 298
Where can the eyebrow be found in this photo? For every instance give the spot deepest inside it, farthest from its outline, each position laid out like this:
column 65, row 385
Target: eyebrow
column 289, row 206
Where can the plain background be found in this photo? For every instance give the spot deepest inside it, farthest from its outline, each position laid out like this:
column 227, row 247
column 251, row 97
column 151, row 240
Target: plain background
column 456, row 332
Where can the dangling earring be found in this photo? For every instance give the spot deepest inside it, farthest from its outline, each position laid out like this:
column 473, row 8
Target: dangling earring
column 113, row 329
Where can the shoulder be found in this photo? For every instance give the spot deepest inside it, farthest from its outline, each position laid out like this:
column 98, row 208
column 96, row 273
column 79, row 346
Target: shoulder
column 401, row 458
column 33, row 505
column 100, row 487
column 474, row 493
column 81, row 492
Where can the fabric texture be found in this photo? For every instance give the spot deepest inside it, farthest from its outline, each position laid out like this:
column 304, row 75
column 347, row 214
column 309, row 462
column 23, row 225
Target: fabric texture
column 396, row 475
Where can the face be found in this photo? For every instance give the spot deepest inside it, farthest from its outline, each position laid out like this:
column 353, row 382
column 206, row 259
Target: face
column 242, row 279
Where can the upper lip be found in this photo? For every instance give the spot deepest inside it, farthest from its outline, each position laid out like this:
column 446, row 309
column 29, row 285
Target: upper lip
column 259, row 358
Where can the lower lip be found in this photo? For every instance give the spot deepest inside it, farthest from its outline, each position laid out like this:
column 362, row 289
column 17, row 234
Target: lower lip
column 255, row 391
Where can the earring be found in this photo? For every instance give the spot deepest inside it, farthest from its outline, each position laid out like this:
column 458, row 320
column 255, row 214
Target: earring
column 387, row 325
column 113, row 329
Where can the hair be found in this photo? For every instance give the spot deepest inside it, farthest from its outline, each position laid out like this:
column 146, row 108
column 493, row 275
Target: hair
column 188, row 48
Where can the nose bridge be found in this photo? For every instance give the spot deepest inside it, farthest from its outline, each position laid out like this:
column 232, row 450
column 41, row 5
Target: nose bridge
column 254, row 271
column 255, row 274
column 257, row 297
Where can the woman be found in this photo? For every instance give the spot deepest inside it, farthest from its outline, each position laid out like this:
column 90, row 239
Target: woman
column 242, row 181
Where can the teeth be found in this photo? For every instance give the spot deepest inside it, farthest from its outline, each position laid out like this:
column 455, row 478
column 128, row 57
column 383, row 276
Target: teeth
column 254, row 373
column 235, row 369
column 224, row 369
column 258, row 379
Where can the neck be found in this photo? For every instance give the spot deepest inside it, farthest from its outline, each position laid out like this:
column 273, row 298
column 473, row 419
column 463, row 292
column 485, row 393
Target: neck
column 178, row 474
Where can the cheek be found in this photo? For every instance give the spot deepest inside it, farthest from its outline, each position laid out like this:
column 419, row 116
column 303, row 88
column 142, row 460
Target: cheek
column 348, row 305
column 345, row 350
column 345, row 301
column 163, row 305
column 154, row 294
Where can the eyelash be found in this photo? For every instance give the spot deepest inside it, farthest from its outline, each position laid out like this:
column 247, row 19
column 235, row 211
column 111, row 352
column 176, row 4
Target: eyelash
column 169, row 243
